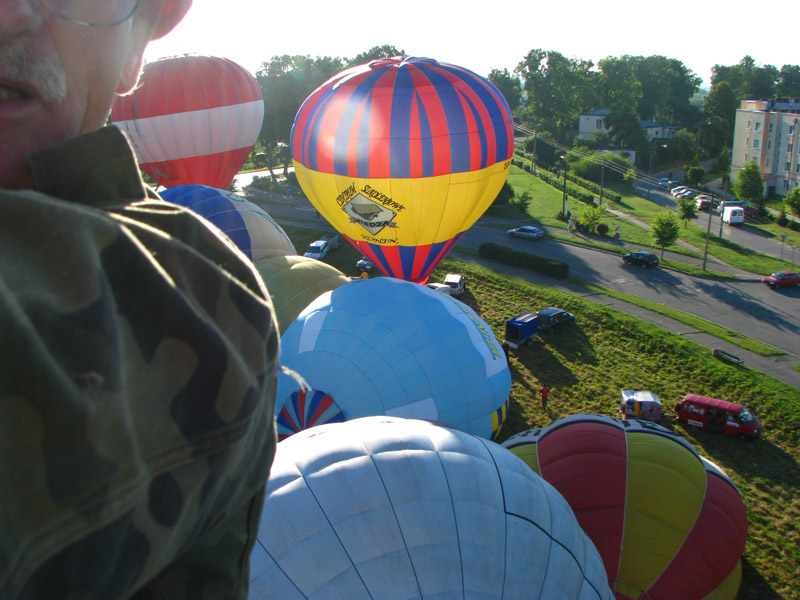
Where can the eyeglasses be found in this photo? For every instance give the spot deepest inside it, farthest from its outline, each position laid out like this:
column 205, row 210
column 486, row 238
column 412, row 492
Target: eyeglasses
column 92, row 13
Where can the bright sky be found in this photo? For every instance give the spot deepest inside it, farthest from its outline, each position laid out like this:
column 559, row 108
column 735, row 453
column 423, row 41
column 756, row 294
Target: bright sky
column 481, row 36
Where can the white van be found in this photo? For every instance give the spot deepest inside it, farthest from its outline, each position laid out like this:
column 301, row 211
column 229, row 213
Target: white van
column 733, row 215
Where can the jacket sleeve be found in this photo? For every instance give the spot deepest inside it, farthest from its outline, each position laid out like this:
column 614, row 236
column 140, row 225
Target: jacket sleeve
column 137, row 377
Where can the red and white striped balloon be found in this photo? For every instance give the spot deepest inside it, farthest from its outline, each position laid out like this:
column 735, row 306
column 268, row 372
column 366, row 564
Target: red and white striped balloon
column 193, row 119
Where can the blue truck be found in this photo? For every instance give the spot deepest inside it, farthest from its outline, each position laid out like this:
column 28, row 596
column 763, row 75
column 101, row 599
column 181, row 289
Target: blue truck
column 520, row 329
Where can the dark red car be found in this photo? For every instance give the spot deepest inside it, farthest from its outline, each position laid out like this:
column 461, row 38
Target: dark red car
column 782, row 279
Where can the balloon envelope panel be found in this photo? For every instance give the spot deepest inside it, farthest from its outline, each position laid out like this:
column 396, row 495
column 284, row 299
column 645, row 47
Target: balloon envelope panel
column 192, row 119
column 668, row 523
column 402, row 156
column 382, row 507
column 293, row 282
column 384, row 346
column 253, row 231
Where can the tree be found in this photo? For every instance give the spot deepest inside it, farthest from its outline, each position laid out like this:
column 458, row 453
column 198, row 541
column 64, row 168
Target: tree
column 719, row 108
column 687, row 210
column 626, row 129
column 558, row 90
column 509, row 86
column 694, row 175
column 619, row 88
column 385, row 51
column 667, row 88
column 504, row 196
column 747, row 79
column 750, row 183
column 286, row 81
column 590, row 217
column 522, row 202
column 789, row 82
column 792, row 201
column 664, row 230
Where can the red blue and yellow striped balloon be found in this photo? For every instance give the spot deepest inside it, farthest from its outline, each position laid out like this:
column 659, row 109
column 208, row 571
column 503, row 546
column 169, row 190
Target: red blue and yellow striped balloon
column 306, row 408
column 402, row 156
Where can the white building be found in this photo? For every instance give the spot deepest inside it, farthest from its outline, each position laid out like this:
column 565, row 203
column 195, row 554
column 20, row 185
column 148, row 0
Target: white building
column 766, row 132
column 595, row 120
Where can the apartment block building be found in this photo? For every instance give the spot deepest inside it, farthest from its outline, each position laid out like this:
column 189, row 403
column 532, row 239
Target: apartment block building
column 766, row 131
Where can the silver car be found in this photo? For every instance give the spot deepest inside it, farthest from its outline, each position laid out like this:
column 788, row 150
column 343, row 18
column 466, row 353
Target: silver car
column 527, row 231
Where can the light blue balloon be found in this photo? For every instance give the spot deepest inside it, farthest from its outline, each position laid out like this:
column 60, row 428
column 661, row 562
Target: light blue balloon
column 390, row 508
column 389, row 347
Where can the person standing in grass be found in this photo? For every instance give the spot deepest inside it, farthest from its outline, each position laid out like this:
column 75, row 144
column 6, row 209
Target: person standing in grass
column 544, row 392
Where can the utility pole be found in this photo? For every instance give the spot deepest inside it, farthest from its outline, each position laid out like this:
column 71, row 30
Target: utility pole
column 565, row 206
column 602, row 178
column 708, row 234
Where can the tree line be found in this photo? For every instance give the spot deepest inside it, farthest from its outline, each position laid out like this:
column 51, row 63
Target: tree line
column 548, row 91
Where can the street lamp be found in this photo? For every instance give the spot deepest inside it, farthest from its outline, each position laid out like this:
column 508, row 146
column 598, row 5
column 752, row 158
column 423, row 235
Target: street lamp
column 650, row 171
column 699, row 131
column 565, row 202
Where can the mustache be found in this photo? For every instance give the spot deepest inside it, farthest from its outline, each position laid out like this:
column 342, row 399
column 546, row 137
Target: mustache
column 44, row 73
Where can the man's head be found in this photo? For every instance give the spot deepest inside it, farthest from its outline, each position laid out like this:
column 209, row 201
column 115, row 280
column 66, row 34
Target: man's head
column 58, row 77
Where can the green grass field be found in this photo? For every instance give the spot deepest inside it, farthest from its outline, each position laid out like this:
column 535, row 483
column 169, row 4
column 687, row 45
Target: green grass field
column 546, row 203
column 586, row 368
column 588, row 365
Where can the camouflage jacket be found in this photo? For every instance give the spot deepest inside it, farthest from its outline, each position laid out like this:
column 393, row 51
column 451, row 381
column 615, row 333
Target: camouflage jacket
column 138, row 358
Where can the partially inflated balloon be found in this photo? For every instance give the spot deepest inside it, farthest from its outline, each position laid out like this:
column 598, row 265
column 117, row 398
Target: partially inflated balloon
column 256, row 233
column 668, row 523
column 392, row 508
column 192, row 119
column 294, row 282
column 402, row 156
column 388, row 347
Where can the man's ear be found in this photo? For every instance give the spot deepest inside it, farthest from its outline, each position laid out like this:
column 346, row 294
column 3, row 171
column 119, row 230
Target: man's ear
column 154, row 19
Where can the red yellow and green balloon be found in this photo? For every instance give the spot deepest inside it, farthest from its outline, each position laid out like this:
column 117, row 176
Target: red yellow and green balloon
column 668, row 523
column 402, row 156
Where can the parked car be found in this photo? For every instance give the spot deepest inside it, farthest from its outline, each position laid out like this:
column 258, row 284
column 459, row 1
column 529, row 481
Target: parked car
column 718, row 415
column 704, row 202
column 526, row 231
column 442, row 288
column 782, row 279
column 365, row 265
column 457, row 283
column 641, row 259
column 664, row 183
column 551, row 318
column 679, row 190
column 688, row 194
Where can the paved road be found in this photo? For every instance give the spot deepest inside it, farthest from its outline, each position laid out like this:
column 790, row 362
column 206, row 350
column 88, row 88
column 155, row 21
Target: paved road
column 746, row 306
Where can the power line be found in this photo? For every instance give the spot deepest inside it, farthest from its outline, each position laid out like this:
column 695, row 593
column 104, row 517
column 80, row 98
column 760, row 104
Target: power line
column 594, row 158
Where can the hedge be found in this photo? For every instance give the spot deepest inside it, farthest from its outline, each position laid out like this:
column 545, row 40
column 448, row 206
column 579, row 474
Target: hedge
column 546, row 266
column 557, row 182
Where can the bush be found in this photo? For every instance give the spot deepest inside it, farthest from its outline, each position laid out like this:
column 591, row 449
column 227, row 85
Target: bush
column 783, row 220
column 546, row 266
column 261, row 183
column 794, row 225
column 602, row 229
